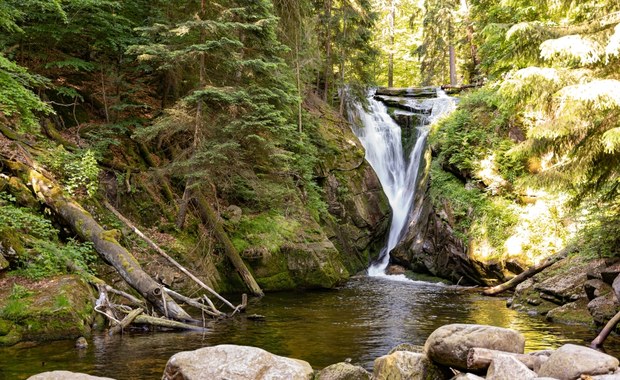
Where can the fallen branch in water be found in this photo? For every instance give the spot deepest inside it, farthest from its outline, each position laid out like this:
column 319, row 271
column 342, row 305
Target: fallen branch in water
column 597, row 343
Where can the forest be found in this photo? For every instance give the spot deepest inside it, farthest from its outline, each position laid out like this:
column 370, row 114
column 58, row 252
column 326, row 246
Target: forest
column 154, row 153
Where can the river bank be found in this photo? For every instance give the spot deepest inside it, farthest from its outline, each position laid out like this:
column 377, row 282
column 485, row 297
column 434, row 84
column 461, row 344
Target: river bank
column 454, row 351
column 362, row 320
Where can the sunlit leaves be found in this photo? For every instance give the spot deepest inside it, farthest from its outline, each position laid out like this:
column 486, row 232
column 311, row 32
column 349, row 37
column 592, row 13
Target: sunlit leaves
column 574, row 50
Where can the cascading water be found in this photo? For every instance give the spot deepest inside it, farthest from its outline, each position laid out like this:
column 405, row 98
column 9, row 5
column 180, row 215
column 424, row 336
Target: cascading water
column 382, row 140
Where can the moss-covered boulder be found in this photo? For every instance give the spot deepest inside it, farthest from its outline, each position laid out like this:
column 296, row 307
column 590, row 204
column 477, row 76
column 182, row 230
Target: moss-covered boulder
column 55, row 308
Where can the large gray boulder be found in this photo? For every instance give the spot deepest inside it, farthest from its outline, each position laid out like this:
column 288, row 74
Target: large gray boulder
column 234, row 362
column 509, row 368
column 65, row 375
column 571, row 361
column 405, row 365
column 343, row 371
column 449, row 344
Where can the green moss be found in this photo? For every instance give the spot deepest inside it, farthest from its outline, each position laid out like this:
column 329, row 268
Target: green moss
column 63, row 309
column 280, row 281
column 268, row 230
column 575, row 313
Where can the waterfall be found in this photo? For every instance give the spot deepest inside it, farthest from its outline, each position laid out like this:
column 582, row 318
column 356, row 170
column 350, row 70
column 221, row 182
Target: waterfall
column 398, row 174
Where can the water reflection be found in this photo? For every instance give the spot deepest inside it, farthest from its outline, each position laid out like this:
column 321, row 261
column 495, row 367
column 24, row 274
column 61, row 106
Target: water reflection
column 361, row 321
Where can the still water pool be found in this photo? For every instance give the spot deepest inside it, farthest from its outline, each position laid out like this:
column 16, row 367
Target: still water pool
column 361, row 321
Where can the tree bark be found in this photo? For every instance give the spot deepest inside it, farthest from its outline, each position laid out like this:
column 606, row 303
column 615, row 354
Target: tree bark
column 129, row 318
column 392, row 17
column 452, row 65
column 85, row 226
column 526, row 274
column 597, row 343
column 481, row 358
column 210, row 218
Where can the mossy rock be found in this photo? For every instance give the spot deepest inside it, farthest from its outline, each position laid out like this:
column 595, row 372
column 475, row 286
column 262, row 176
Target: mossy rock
column 574, row 313
column 54, row 308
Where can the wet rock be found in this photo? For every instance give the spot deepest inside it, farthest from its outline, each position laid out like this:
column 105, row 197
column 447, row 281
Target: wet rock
column 81, row 343
column 596, row 288
column 343, row 371
column 573, row 313
column 450, row 344
column 603, row 308
column 395, row 269
column 407, row 347
column 66, row 375
column 404, row 365
column 571, row 361
column 234, row 362
column 508, row 368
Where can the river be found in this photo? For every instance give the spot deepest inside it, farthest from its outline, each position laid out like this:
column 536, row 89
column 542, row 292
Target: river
column 361, row 321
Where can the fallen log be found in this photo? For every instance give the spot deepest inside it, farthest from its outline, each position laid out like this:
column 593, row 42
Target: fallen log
column 408, row 92
column 209, row 217
column 161, row 252
column 104, row 242
column 481, row 358
column 129, row 318
column 209, row 310
column 167, row 323
column 526, row 274
column 597, row 343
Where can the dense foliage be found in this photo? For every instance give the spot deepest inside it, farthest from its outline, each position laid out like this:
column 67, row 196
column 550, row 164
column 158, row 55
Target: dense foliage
column 546, row 122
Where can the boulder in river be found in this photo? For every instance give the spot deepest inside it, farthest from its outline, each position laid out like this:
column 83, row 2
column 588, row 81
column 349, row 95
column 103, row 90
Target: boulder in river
column 505, row 367
column 467, row 376
column 450, row 344
column 229, row 361
column 571, row 361
column 66, row 375
column 343, row 371
column 402, row 365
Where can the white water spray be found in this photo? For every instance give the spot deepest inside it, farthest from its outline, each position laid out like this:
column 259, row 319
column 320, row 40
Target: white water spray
column 381, row 138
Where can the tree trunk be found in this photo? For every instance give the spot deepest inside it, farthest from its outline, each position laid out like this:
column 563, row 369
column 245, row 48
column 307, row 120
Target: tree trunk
column 597, row 343
column 85, row 226
column 526, row 274
column 391, row 55
column 210, row 218
column 328, row 49
column 452, row 65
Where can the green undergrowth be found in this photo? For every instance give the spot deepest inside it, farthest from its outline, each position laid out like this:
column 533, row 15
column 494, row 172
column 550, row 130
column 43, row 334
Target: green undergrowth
column 483, row 181
column 36, row 243
column 473, row 213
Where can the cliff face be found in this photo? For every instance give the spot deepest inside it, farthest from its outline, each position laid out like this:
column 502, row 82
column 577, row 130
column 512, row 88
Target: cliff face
column 325, row 253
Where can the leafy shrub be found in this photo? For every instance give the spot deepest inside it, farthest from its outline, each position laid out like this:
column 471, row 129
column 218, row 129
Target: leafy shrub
column 79, row 171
